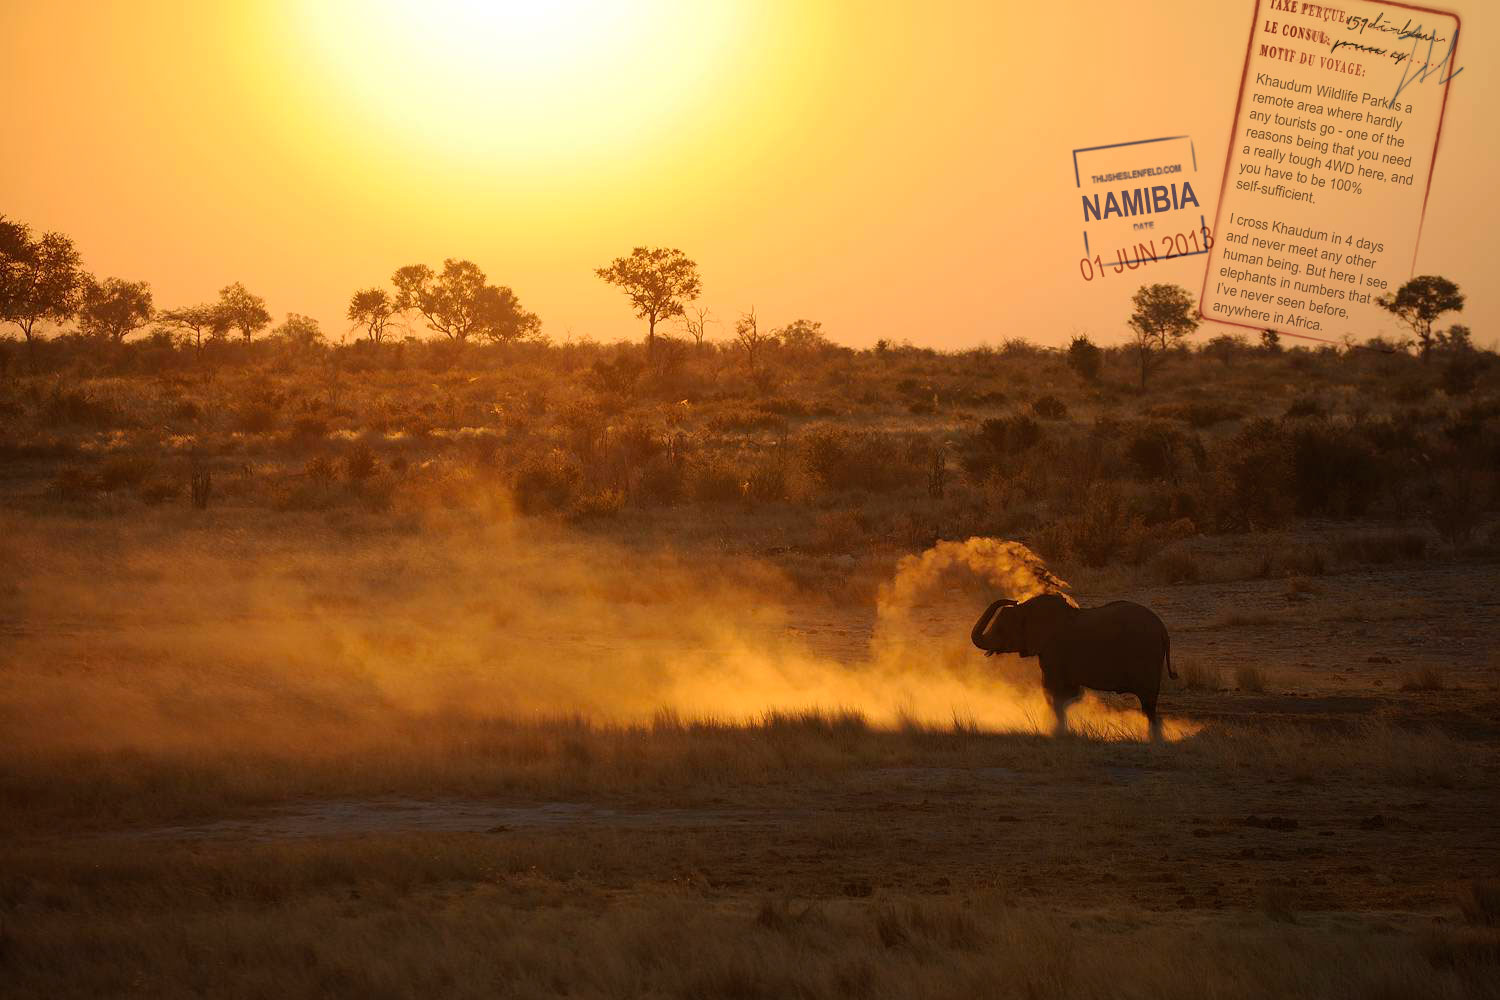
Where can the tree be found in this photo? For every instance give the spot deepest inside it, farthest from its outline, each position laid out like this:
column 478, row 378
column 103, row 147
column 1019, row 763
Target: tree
column 1271, row 341
column 1224, row 347
column 239, row 310
column 752, row 341
column 298, row 332
column 459, row 303
column 1085, row 358
column 1459, row 339
column 657, row 280
column 697, row 324
column 374, row 309
column 1419, row 303
column 40, row 279
column 197, row 319
column 114, row 308
column 1163, row 316
column 801, row 336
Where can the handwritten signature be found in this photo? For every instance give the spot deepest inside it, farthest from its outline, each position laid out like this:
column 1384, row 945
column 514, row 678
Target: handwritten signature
column 1410, row 73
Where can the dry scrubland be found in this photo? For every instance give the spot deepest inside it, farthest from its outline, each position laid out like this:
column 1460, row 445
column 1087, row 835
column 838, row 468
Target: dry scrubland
column 551, row 671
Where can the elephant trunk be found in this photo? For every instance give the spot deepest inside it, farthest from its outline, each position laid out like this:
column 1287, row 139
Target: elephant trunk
column 977, row 636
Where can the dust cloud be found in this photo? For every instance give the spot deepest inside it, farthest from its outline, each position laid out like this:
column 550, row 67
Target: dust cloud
column 122, row 635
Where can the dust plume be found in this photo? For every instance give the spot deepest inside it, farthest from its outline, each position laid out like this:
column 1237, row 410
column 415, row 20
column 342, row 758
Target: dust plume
column 153, row 634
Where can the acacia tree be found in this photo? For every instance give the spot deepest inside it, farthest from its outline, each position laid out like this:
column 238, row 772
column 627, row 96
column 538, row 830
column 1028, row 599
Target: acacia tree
column 1419, row 303
column 658, row 281
column 459, row 303
column 40, row 279
column 238, row 310
column 114, row 308
column 374, row 309
column 1163, row 316
column 195, row 319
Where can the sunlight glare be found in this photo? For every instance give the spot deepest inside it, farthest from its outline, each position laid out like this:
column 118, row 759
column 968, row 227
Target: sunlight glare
column 520, row 80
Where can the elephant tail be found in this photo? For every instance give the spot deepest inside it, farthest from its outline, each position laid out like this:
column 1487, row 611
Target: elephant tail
column 1166, row 641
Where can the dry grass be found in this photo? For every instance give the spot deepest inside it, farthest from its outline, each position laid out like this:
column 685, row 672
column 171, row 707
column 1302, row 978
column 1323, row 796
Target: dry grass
column 1197, row 677
column 1428, row 678
column 670, row 763
column 1250, row 679
column 461, row 918
column 1374, row 752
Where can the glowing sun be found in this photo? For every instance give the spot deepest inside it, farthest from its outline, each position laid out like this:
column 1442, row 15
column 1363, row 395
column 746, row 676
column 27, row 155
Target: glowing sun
column 526, row 80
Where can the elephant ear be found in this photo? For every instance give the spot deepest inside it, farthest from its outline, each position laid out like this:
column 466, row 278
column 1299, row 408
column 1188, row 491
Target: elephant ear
column 1039, row 620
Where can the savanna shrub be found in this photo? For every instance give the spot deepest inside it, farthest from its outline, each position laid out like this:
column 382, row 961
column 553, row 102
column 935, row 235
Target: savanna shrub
column 715, row 482
column 998, row 440
column 1334, row 472
column 1253, row 480
column 360, row 464
column 1155, row 450
column 767, row 483
column 1049, row 408
column 855, row 461
column 1085, row 358
column 66, row 406
column 597, row 505
column 663, row 480
column 547, row 483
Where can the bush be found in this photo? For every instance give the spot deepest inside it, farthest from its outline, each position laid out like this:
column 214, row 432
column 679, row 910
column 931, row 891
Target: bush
column 1157, row 449
column 77, row 407
column 1085, row 358
column 663, row 480
column 1104, row 528
column 600, row 504
column 997, row 441
column 1049, row 408
column 1334, row 472
column 768, row 483
column 547, row 483
column 360, row 464
column 715, row 482
column 1253, row 479
column 1459, row 501
column 1461, row 373
column 854, row 461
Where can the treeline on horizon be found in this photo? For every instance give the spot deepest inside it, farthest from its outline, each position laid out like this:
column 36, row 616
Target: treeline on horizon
column 44, row 287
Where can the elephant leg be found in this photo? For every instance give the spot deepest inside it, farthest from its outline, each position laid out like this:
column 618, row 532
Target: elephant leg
column 1148, row 708
column 1061, row 701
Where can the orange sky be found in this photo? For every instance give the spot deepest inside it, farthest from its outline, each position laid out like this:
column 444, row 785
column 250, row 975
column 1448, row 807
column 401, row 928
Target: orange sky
column 896, row 171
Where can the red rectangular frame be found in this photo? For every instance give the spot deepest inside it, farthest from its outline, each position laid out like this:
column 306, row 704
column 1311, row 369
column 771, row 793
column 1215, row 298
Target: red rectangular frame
column 1229, row 150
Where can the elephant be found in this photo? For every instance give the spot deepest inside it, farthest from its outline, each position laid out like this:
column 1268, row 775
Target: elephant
column 1120, row 646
